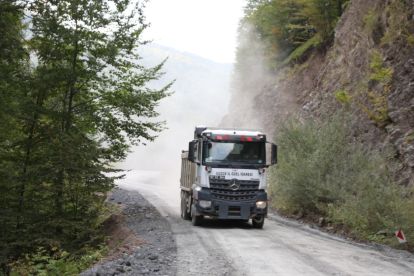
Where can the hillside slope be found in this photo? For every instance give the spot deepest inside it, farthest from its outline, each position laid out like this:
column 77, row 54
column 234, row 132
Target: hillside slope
column 368, row 69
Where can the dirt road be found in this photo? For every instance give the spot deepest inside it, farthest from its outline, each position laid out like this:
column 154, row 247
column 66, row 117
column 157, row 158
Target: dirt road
column 282, row 248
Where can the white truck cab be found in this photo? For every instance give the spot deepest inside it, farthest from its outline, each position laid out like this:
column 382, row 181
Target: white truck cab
column 223, row 175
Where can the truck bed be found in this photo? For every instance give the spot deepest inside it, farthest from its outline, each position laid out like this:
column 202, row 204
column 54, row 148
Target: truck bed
column 188, row 172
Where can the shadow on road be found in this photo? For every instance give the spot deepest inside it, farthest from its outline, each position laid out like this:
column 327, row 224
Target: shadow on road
column 225, row 224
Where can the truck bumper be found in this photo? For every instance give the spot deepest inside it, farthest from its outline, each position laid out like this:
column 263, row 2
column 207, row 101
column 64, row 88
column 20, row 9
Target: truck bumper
column 229, row 209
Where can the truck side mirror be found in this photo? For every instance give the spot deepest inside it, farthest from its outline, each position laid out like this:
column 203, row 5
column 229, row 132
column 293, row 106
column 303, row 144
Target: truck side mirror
column 191, row 150
column 274, row 154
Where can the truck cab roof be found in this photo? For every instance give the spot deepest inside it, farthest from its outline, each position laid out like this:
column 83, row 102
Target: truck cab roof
column 231, row 132
column 221, row 131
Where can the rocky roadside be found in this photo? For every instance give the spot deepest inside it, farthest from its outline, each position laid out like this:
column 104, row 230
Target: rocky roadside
column 336, row 232
column 150, row 249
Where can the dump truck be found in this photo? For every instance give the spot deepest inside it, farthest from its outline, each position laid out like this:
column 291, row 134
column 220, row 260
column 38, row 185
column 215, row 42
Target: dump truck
column 223, row 175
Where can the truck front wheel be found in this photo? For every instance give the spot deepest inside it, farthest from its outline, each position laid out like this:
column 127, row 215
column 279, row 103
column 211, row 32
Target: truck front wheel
column 185, row 212
column 258, row 222
column 195, row 219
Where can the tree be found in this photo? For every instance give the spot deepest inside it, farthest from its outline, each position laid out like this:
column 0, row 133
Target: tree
column 280, row 24
column 323, row 15
column 285, row 25
column 14, row 74
column 84, row 100
column 96, row 98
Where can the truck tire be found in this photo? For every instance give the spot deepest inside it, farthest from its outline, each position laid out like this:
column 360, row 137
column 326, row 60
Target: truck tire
column 185, row 213
column 258, row 222
column 195, row 219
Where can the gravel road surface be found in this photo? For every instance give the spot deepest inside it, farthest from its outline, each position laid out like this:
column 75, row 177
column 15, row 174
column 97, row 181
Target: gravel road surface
column 156, row 253
column 283, row 247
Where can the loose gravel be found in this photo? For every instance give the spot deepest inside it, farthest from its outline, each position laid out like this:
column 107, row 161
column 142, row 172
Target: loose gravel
column 156, row 255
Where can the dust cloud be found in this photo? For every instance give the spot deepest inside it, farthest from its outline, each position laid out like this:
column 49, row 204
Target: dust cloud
column 259, row 98
column 250, row 78
column 201, row 97
column 205, row 93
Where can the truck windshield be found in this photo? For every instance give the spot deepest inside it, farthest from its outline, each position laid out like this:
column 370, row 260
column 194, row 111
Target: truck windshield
column 235, row 152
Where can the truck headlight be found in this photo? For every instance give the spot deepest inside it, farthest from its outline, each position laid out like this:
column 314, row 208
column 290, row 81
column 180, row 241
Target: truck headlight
column 261, row 204
column 204, row 203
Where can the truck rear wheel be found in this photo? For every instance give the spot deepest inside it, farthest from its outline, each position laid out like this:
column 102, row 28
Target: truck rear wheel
column 185, row 212
column 258, row 222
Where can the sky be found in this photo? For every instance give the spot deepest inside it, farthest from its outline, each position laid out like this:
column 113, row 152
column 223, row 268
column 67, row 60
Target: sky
column 207, row 28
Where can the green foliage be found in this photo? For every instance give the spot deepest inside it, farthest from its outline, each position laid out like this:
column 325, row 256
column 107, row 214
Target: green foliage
column 309, row 153
column 280, row 25
column 67, row 115
column 321, row 170
column 379, row 72
column 376, row 104
column 343, row 97
column 288, row 27
column 323, row 15
column 56, row 262
column 300, row 51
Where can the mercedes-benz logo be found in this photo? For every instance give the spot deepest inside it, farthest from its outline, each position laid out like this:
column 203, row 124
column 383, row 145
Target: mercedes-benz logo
column 234, row 185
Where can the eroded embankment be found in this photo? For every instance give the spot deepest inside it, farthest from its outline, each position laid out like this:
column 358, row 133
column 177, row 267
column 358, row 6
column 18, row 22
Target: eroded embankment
column 147, row 247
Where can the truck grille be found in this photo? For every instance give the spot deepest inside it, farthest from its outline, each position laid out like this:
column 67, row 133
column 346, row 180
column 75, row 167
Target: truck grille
column 222, row 189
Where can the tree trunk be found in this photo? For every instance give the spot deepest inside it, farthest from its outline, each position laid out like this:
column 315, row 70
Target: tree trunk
column 26, row 162
column 66, row 128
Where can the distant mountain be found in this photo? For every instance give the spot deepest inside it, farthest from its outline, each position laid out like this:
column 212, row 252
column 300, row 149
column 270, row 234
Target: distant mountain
column 201, row 96
column 201, row 86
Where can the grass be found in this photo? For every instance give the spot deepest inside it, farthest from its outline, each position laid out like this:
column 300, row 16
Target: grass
column 343, row 97
column 410, row 40
column 379, row 72
column 371, row 20
column 374, row 95
column 323, row 171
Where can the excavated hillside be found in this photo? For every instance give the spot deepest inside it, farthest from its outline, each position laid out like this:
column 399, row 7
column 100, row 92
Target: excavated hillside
column 368, row 70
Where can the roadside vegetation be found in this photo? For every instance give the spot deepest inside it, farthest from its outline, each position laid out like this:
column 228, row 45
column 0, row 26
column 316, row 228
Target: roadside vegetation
column 327, row 175
column 72, row 100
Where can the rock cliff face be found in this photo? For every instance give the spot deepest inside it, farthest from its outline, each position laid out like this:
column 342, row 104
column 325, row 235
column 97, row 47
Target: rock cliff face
column 369, row 69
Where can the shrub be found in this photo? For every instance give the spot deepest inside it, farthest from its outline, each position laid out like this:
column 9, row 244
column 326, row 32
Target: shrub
column 308, row 154
column 343, row 97
column 322, row 170
column 56, row 262
column 379, row 72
